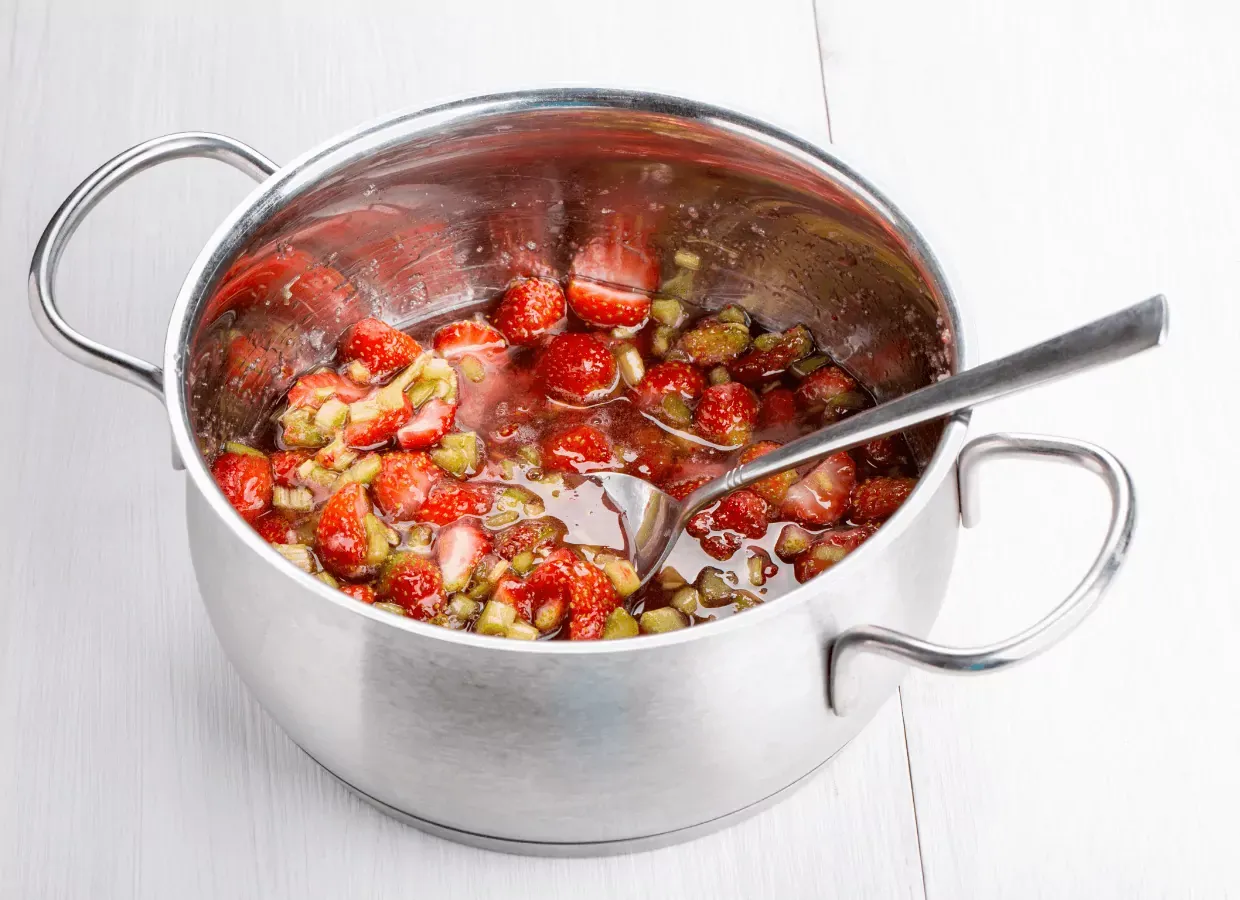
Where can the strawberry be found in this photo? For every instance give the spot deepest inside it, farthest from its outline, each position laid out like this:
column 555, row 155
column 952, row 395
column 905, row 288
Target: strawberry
column 450, row 500
column 246, row 481
column 881, row 453
column 577, row 369
column 726, row 414
column 822, row 496
column 530, row 308
column 821, row 386
column 722, row 546
column 829, row 549
column 315, row 389
column 527, row 535
column 756, row 366
column 669, row 378
column 363, row 434
column 341, row 539
column 403, row 483
column 582, row 448
column 879, row 498
column 721, row 527
column 362, row 593
column 284, row 465
column 649, row 455
column 591, row 600
column 512, row 591
column 468, row 337
column 605, row 305
column 457, row 549
column 550, row 589
column 778, row 407
column 413, row 582
column 684, row 487
column 275, row 529
column 381, row 349
column 773, row 488
column 428, row 425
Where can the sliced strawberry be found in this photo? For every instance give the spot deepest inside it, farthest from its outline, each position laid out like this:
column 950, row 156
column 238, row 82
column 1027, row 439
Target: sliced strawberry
column 756, row 366
column 773, row 488
column 576, row 368
column 284, row 465
column 428, row 426
column 514, row 592
column 413, row 582
column 527, row 535
column 530, row 308
column 744, row 512
column 669, row 378
column 582, row 448
column 403, row 483
column 457, row 549
column 362, row 593
column 365, row 434
column 822, row 497
column 829, row 549
column 549, row 589
column 879, row 498
column 778, row 407
column 605, row 305
column 462, row 338
column 591, row 600
column 313, row 390
column 721, row 546
column 379, row 347
column 821, row 386
column 275, row 529
column 340, row 539
column 684, row 487
column 246, row 481
column 726, row 414
column 450, row 500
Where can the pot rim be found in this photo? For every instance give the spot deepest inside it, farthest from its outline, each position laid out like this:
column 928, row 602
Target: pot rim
column 311, row 167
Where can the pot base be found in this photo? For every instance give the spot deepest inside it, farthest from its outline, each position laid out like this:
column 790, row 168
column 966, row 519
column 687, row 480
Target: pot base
column 586, row 848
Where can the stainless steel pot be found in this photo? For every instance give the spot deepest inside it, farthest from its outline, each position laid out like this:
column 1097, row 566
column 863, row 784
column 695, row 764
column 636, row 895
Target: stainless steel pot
column 566, row 748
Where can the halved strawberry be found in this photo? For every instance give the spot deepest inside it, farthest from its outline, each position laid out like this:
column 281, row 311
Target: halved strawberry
column 365, row 434
column 381, row 349
column 341, row 538
column 582, row 448
column 413, row 582
column 428, row 426
column 669, row 378
column 403, row 483
column 822, row 497
column 605, row 305
column 778, row 407
column 527, row 535
column 881, row 453
column 450, row 500
column 275, row 529
column 721, row 527
column 879, row 498
column 827, row 550
column 313, row 390
column 362, row 593
column 468, row 337
column 726, row 414
column 773, row 488
column 529, row 308
column 513, row 591
column 284, row 464
column 576, row 368
column 247, row 482
column 458, row 549
column 549, row 589
column 756, row 366
column 821, row 386
column 591, row 600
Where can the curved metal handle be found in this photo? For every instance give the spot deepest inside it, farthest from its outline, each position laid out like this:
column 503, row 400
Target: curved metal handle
column 1057, row 623
column 111, row 175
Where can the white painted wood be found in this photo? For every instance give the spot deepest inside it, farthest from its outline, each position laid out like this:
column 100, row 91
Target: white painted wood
column 1074, row 157
column 132, row 761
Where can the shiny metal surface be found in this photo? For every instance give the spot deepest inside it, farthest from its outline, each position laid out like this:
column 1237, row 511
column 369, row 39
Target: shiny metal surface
column 653, row 521
column 1045, row 633
column 561, row 744
column 78, row 205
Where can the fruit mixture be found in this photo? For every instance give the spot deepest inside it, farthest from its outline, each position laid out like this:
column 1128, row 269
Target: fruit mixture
column 438, row 474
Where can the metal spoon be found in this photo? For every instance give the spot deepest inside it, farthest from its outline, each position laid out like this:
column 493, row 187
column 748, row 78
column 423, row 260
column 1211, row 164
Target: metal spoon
column 652, row 520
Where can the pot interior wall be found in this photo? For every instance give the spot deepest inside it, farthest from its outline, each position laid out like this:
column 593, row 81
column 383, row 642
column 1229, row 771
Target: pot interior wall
column 441, row 221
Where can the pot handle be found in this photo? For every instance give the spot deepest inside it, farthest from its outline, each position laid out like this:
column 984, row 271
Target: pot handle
column 111, row 175
column 1038, row 637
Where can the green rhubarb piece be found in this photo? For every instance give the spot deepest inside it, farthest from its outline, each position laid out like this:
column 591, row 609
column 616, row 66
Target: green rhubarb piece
column 667, row 311
column 295, row 499
column 521, row 631
column 394, row 608
column 473, row 368
column 332, row 415
column 328, row 580
column 792, row 541
column 529, row 454
column 500, row 519
column 746, row 600
column 300, row 430
column 658, row 621
column 734, row 315
column 620, row 573
column 378, row 543
column 756, row 568
column 629, row 361
column 462, row 607
column 719, row 375
column 358, row 372
column 714, row 589
column 620, row 624
column 495, row 619
column 663, row 339
column 243, row 450
column 299, row 555
column 363, row 471
column 420, row 536
column 687, row 259
column 686, row 599
column 768, row 341
column 710, row 345
column 803, row 367
column 670, row 579
column 421, row 392
column 676, row 410
column 337, row 455
column 523, row 562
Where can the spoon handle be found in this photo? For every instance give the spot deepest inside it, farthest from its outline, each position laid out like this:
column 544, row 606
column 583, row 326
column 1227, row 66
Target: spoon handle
column 1109, row 339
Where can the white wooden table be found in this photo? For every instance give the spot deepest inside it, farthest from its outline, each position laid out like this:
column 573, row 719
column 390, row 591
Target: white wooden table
column 1067, row 160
